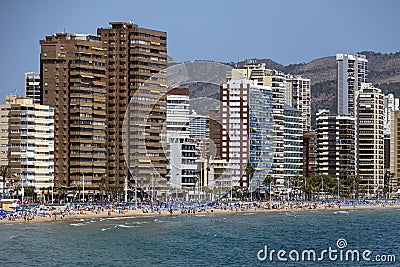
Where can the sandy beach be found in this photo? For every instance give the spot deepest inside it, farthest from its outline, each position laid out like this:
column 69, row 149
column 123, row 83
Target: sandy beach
column 113, row 213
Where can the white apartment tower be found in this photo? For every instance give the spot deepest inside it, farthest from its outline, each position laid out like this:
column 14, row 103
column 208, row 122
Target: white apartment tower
column 293, row 142
column 247, row 130
column 276, row 81
column 27, row 141
column 298, row 96
column 198, row 125
column 32, row 86
column 391, row 104
column 352, row 71
column 181, row 149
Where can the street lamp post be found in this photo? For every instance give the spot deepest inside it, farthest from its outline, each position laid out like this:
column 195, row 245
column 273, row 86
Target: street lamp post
column 52, row 192
column 83, row 187
column 338, row 188
column 126, row 188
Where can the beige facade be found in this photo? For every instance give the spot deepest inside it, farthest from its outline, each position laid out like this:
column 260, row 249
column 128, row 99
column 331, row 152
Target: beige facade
column 277, row 82
column 298, row 96
column 370, row 138
column 27, row 141
column 394, row 181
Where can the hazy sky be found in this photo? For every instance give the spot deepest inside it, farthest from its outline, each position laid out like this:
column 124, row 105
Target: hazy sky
column 287, row 31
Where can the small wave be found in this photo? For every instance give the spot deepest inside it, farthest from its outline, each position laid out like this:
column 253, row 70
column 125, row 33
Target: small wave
column 126, row 226
column 121, row 218
column 13, row 236
column 202, row 215
column 139, row 223
column 341, row 212
column 78, row 224
column 115, row 218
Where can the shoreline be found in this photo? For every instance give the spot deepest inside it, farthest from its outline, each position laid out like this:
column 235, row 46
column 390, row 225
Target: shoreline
column 85, row 215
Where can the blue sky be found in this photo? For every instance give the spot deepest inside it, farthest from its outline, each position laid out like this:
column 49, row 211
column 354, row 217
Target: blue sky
column 287, row 31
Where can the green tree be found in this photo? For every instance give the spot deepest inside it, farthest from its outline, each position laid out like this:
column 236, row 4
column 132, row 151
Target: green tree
column 5, row 173
column 250, row 173
column 102, row 188
column 269, row 179
column 30, row 192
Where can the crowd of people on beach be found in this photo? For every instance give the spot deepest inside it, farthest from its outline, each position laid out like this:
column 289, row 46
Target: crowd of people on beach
column 29, row 213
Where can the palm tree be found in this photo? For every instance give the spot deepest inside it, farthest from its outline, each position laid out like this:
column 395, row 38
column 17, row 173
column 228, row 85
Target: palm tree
column 195, row 179
column 30, row 191
column 268, row 181
column 17, row 188
column 5, row 173
column 102, row 187
column 250, row 173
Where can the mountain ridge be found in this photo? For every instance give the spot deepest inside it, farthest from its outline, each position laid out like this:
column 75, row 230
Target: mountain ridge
column 383, row 73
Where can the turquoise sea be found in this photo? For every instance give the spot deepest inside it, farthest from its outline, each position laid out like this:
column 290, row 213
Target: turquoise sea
column 203, row 240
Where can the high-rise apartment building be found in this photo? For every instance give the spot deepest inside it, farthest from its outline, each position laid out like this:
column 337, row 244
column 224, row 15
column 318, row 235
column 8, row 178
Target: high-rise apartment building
column 32, row 86
column 394, row 179
column 73, row 76
column 198, row 125
column 135, row 58
column 298, row 95
column 27, row 141
column 214, row 132
column 293, row 142
column 181, row 149
column 247, row 129
column 370, row 138
column 390, row 104
column 351, row 72
column 309, row 153
column 276, row 80
column 335, row 144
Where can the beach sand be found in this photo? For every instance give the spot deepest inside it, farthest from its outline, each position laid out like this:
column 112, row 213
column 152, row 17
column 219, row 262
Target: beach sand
column 84, row 215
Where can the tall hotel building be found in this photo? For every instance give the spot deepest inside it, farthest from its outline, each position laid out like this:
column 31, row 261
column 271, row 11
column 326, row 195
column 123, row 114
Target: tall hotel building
column 73, row 75
column 247, row 129
column 32, row 86
column 134, row 57
column 335, row 144
column 293, row 142
column 351, row 72
column 391, row 104
column 370, row 138
column 214, row 132
column 298, row 96
column 26, row 141
column 309, row 153
column 181, row 149
column 394, row 181
column 276, row 81
column 198, row 125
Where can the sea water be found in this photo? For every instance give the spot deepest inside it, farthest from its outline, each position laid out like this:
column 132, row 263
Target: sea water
column 212, row 240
